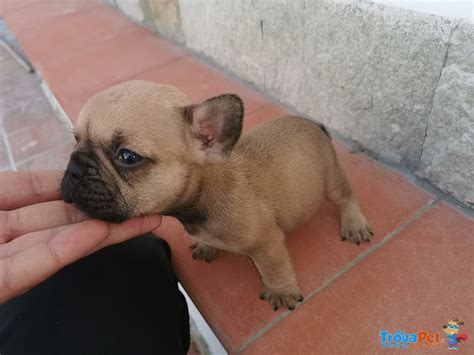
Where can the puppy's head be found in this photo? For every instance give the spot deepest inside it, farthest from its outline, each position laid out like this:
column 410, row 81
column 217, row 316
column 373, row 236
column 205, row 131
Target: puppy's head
column 139, row 145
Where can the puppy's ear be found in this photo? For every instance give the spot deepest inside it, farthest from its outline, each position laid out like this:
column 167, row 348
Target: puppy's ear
column 215, row 126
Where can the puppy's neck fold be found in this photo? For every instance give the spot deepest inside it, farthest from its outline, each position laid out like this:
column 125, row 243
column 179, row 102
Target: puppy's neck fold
column 205, row 195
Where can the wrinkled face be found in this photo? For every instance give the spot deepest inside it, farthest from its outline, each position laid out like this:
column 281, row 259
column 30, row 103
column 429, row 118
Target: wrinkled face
column 137, row 148
column 130, row 156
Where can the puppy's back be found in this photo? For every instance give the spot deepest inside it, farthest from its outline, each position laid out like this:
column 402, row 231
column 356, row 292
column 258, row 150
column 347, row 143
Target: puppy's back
column 288, row 162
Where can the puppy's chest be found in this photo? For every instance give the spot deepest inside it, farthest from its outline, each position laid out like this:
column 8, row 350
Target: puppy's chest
column 197, row 218
column 201, row 227
column 192, row 218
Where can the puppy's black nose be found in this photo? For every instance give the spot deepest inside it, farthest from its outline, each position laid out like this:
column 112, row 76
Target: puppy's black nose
column 75, row 170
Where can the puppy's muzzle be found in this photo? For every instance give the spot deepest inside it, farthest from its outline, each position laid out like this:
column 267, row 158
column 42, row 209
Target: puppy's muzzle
column 84, row 186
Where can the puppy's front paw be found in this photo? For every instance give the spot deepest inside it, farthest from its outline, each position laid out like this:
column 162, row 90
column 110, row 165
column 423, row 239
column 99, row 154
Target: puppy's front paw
column 354, row 227
column 203, row 251
column 282, row 299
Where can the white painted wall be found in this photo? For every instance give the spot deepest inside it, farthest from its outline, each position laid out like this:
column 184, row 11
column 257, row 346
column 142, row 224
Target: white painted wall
column 463, row 9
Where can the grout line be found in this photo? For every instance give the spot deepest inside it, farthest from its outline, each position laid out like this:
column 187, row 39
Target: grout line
column 252, row 339
column 435, row 90
column 53, row 101
column 40, row 154
column 8, row 149
column 416, row 216
column 156, row 67
column 25, row 65
column 260, row 108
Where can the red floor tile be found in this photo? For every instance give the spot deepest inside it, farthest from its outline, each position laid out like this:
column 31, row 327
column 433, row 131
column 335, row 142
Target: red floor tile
column 201, row 82
column 226, row 290
column 95, row 26
column 22, row 15
column 265, row 113
column 75, row 80
column 418, row 281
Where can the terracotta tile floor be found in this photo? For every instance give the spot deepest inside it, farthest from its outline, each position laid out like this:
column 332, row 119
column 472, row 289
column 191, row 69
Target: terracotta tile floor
column 415, row 275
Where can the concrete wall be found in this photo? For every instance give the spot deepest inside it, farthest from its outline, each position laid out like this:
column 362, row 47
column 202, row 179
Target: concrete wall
column 456, row 9
column 398, row 83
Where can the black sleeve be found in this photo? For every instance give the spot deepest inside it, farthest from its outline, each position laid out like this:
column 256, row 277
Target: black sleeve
column 123, row 299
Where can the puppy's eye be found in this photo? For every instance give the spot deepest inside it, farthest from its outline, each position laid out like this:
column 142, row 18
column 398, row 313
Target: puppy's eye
column 128, row 157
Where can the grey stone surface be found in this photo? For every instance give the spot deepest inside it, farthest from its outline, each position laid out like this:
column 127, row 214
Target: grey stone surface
column 131, row 8
column 448, row 152
column 160, row 15
column 9, row 38
column 165, row 16
column 367, row 71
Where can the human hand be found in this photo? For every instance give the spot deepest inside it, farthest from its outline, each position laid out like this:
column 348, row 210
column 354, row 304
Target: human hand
column 40, row 234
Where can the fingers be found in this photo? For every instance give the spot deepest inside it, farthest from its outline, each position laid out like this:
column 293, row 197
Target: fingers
column 169, row 226
column 31, row 258
column 117, row 233
column 28, row 240
column 130, row 229
column 30, row 266
column 25, row 188
column 37, row 217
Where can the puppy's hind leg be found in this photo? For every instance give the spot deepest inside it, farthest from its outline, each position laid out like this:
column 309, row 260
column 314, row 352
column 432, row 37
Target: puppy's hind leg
column 354, row 226
column 274, row 265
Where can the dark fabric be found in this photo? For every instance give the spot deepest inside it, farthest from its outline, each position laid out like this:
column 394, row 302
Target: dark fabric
column 123, row 299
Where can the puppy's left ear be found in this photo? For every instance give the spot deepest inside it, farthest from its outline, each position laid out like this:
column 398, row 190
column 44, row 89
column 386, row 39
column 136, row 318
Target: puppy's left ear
column 215, row 126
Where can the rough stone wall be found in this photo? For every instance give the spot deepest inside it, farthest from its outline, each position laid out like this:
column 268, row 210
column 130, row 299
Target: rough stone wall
column 398, row 83
column 447, row 159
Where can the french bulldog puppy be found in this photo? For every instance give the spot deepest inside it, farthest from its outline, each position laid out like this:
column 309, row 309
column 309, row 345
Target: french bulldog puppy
column 145, row 148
